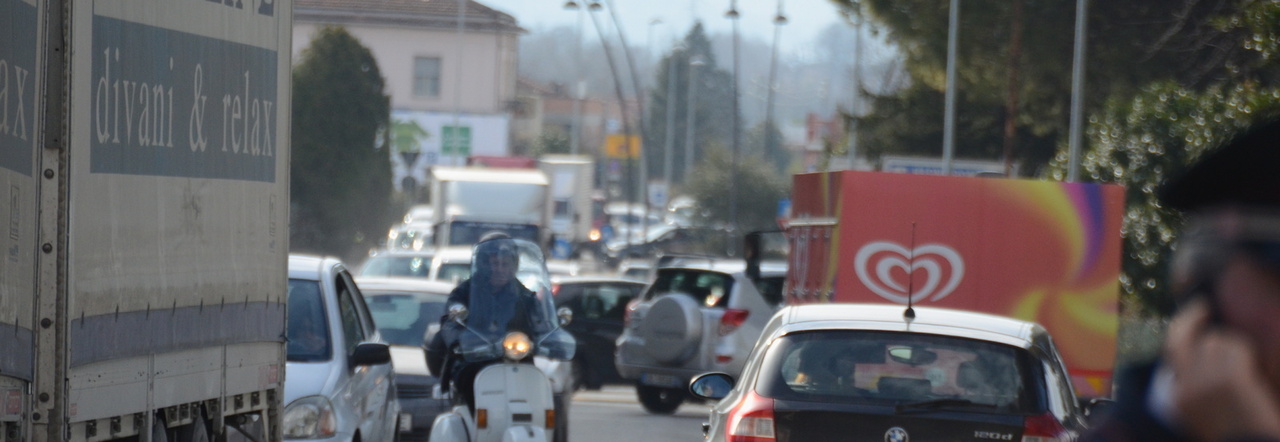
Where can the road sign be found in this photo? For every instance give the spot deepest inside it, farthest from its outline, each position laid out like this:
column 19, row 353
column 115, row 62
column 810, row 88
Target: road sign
column 455, row 140
column 617, row 146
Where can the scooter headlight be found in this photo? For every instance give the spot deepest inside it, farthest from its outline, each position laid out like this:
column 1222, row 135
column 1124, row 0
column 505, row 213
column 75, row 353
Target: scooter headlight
column 516, row 346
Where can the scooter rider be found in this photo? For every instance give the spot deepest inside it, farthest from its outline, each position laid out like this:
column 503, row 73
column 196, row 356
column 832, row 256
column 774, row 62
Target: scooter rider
column 508, row 306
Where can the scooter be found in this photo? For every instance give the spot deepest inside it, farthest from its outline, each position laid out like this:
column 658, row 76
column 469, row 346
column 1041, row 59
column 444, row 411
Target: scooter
column 513, row 399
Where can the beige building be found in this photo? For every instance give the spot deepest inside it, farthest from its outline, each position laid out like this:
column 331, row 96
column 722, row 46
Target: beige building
column 438, row 79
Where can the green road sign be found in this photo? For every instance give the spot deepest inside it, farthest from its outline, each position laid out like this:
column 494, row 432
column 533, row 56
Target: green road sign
column 455, row 140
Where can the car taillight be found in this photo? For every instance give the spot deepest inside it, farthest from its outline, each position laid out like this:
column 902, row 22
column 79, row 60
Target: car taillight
column 731, row 320
column 1043, row 428
column 555, row 290
column 751, row 420
column 626, row 313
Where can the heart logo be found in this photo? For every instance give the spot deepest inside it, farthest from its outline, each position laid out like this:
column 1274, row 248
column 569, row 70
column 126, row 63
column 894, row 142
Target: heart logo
column 876, row 261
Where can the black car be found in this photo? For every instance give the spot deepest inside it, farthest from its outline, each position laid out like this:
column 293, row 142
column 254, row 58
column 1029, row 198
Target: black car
column 874, row 372
column 599, row 304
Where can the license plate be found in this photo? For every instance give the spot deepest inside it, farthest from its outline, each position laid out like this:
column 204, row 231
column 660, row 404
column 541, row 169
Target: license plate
column 660, row 380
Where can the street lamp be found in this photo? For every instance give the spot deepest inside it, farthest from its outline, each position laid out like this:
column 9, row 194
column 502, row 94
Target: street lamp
column 769, row 140
column 575, row 130
column 670, row 138
column 732, row 14
column 695, row 61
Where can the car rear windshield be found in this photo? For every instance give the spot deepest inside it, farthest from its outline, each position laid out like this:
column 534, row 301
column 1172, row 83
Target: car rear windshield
column 900, row 369
column 308, row 331
column 403, row 318
column 710, row 289
column 411, row 266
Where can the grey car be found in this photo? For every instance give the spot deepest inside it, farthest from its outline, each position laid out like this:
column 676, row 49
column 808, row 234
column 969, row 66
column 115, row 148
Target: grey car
column 698, row 315
column 875, row 372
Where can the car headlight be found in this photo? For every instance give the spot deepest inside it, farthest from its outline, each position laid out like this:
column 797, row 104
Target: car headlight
column 516, row 345
column 310, row 417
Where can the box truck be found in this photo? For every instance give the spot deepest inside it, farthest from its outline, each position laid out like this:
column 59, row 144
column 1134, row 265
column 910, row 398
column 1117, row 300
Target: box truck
column 144, row 160
column 572, row 180
column 472, row 201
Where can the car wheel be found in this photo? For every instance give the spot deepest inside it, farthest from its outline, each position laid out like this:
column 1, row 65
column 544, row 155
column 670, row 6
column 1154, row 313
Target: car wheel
column 671, row 329
column 659, row 400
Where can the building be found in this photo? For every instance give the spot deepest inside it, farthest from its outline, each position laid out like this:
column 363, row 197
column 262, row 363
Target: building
column 453, row 93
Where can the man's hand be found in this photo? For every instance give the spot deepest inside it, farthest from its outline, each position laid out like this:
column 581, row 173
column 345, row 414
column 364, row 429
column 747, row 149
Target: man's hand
column 1220, row 391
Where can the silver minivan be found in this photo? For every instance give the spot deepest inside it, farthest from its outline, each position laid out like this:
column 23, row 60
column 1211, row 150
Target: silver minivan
column 339, row 384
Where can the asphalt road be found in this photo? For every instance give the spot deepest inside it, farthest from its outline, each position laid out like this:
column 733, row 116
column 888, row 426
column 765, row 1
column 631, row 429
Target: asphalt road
column 613, row 415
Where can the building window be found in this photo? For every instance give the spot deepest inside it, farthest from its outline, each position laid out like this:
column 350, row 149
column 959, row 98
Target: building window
column 426, row 76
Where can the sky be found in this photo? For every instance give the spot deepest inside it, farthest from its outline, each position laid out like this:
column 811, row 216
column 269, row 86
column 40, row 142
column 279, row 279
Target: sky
column 805, row 19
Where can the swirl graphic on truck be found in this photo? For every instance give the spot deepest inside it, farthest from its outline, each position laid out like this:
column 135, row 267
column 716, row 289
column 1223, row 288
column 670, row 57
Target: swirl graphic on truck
column 886, row 268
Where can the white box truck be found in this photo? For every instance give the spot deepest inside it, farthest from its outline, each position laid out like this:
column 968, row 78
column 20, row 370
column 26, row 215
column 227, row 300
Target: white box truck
column 144, row 159
column 572, row 178
column 472, row 201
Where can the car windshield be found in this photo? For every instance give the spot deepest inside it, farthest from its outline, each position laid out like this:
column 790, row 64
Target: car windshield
column 308, row 332
column 907, row 370
column 403, row 318
column 710, row 289
column 411, row 266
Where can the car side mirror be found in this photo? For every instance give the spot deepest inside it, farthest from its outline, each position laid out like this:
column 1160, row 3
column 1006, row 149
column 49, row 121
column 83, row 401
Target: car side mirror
column 714, row 386
column 565, row 315
column 1095, row 408
column 458, row 313
column 370, row 353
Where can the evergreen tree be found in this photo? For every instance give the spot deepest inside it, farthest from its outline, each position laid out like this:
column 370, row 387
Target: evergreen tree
column 340, row 170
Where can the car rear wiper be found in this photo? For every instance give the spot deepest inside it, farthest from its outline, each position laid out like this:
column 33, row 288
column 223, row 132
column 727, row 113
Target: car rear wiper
column 934, row 404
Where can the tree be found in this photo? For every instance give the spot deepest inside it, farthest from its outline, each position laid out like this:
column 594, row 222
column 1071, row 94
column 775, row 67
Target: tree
column 713, row 108
column 340, row 171
column 1131, row 44
column 1142, row 140
column 760, row 186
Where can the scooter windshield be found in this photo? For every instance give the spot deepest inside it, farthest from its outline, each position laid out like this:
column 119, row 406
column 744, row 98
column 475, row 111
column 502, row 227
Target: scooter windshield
column 511, row 291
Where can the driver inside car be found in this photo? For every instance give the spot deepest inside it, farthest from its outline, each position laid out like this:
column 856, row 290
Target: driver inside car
column 507, row 305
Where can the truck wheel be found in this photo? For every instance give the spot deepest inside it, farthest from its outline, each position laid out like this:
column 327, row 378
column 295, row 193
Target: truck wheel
column 659, row 400
column 672, row 329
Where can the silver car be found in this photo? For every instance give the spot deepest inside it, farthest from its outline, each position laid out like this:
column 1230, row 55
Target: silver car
column 697, row 315
column 339, row 385
column 876, row 372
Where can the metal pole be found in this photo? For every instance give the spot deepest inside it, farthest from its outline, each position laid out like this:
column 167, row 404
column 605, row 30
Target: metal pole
column 770, row 141
column 733, row 168
column 635, row 82
column 949, row 123
column 691, row 110
column 1077, row 92
column 668, row 147
column 457, row 85
column 854, row 105
column 617, row 88
column 576, row 124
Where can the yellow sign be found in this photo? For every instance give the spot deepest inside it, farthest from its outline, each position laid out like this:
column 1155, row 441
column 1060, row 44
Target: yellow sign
column 614, row 146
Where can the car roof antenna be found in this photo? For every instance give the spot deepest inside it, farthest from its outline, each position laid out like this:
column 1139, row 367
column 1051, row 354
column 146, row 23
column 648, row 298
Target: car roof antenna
column 911, row 261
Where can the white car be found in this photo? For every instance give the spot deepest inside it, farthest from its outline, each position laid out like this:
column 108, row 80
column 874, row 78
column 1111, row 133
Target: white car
column 339, row 385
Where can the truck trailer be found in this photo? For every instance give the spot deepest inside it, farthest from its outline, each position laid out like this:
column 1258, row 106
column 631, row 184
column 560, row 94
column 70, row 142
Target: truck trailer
column 144, row 158
column 1034, row 250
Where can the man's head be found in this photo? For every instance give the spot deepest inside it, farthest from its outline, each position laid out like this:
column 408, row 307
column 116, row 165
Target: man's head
column 496, row 258
column 1229, row 252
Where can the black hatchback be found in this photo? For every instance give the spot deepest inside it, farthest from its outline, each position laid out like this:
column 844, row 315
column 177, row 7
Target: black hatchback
column 865, row 372
column 599, row 305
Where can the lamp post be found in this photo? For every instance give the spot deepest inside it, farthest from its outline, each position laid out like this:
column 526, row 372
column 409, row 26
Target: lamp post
column 669, row 142
column 695, row 61
column 732, row 14
column 576, row 125
column 769, row 140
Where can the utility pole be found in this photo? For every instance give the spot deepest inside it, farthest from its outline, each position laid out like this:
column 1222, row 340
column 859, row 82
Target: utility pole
column 733, row 168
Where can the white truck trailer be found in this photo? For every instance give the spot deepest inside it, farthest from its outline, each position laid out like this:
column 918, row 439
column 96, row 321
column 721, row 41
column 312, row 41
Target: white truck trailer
column 472, row 201
column 572, row 179
column 144, row 159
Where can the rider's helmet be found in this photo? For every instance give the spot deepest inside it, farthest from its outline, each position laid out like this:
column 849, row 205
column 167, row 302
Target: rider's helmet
column 492, row 245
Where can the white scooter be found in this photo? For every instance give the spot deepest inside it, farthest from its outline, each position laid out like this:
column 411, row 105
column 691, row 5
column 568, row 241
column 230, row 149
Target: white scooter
column 513, row 399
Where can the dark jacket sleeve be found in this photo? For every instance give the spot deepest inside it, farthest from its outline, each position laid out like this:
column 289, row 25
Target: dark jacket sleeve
column 439, row 346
